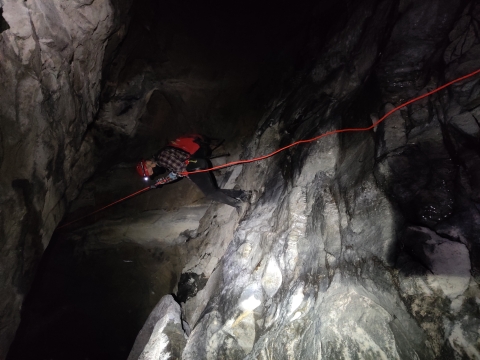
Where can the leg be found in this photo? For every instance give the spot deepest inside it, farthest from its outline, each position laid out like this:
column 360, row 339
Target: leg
column 237, row 194
column 207, row 184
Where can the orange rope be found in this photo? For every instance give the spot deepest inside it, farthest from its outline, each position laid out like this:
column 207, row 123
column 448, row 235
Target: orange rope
column 334, row 131
column 289, row 146
column 103, row 208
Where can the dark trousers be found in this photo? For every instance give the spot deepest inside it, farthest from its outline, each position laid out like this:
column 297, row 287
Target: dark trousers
column 207, row 183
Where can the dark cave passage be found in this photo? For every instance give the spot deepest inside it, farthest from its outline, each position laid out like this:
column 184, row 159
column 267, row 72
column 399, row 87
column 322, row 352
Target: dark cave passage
column 89, row 302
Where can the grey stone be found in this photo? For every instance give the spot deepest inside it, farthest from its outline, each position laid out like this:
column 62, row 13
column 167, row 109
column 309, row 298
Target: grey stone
column 162, row 336
column 448, row 261
column 466, row 123
column 52, row 54
column 328, row 243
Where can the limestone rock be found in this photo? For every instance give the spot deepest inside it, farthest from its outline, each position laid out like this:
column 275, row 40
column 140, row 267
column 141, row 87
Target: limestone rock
column 358, row 245
column 51, row 63
column 467, row 124
column 318, row 266
column 162, row 336
column 447, row 261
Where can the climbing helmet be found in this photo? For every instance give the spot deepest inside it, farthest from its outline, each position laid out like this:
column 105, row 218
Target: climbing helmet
column 142, row 169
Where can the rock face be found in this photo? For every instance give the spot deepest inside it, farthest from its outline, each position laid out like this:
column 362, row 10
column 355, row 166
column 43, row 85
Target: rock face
column 51, row 58
column 162, row 336
column 358, row 245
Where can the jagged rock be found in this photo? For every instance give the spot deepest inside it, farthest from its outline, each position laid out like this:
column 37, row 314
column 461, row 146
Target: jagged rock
column 51, row 62
column 162, row 337
column 447, row 261
column 309, row 270
column 467, row 124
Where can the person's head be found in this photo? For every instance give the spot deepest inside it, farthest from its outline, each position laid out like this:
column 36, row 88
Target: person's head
column 148, row 169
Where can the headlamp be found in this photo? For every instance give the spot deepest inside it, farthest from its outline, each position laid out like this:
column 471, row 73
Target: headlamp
column 142, row 169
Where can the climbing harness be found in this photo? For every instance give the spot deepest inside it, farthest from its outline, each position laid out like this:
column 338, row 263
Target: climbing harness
column 188, row 144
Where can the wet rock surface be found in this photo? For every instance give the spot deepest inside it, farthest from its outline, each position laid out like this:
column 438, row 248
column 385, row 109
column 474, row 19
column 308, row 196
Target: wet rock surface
column 359, row 245
column 355, row 250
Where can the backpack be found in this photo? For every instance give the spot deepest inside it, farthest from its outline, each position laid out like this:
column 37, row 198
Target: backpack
column 187, row 143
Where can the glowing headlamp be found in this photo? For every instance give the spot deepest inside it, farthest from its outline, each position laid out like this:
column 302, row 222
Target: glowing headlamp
column 142, row 169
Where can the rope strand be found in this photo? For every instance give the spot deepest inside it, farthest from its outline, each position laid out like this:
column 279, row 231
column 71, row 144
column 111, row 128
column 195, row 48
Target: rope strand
column 105, row 207
column 335, row 131
column 291, row 145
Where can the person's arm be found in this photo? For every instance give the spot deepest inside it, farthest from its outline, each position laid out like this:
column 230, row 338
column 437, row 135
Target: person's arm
column 165, row 180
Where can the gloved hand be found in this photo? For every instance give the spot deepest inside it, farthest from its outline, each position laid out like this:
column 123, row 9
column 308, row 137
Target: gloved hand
column 169, row 178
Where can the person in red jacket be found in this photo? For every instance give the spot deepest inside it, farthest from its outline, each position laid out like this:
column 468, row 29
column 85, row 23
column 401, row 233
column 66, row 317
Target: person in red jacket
column 189, row 153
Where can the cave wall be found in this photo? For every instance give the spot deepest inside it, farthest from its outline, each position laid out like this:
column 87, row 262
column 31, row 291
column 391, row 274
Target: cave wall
column 358, row 245
column 51, row 59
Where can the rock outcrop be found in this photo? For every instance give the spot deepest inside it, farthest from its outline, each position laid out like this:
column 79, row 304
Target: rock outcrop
column 162, row 336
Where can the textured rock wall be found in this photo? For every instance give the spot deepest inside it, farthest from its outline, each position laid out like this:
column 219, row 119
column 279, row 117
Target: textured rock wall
column 358, row 245
column 162, row 336
column 51, row 58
